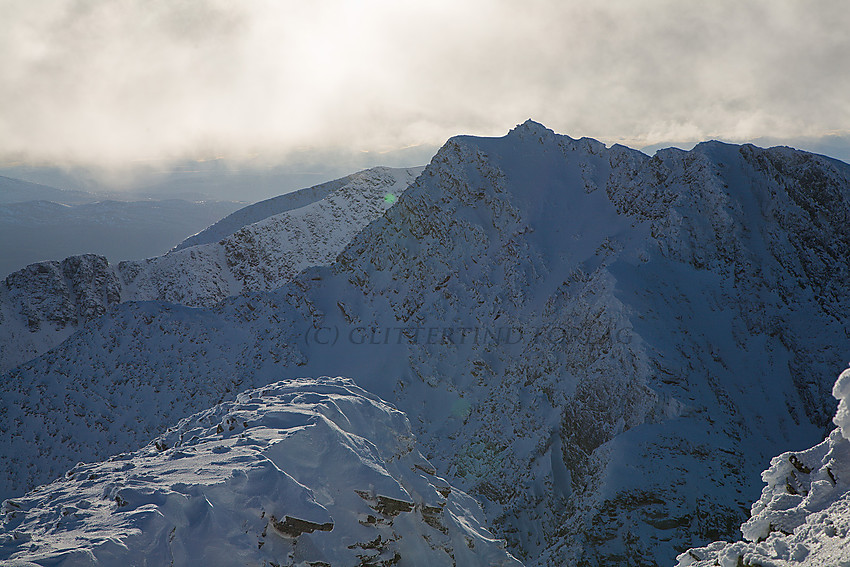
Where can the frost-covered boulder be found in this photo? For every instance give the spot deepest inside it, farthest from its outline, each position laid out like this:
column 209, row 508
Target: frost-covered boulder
column 803, row 515
column 300, row 472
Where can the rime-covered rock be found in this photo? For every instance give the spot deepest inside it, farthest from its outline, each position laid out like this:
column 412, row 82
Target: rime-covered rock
column 803, row 515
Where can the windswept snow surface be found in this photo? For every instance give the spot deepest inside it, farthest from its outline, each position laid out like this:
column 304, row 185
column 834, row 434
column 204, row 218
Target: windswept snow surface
column 803, row 516
column 301, row 472
column 601, row 347
column 258, row 248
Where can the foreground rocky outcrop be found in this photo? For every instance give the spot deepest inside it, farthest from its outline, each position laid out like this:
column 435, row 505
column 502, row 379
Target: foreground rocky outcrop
column 301, row 472
column 803, row 516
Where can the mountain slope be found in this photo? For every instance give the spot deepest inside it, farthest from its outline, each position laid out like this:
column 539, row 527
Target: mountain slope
column 579, row 334
column 303, row 472
column 267, row 245
column 803, row 515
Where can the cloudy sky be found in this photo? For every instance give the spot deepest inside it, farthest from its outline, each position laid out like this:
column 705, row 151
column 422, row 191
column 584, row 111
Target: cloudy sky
column 97, row 82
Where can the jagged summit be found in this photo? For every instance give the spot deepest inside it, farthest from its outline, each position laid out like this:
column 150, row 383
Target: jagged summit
column 544, row 135
column 580, row 335
column 530, row 127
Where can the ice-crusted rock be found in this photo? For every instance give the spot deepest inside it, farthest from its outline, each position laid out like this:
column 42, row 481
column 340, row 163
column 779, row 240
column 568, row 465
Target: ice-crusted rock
column 257, row 248
column 841, row 392
column 301, row 472
column 803, row 515
column 596, row 344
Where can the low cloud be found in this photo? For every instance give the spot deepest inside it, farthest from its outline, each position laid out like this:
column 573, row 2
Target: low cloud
column 111, row 83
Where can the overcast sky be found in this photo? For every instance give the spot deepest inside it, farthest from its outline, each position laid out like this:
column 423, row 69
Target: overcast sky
column 122, row 81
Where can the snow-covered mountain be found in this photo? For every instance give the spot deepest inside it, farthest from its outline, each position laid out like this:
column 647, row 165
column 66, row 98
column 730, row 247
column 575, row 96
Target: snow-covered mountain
column 303, row 472
column 257, row 248
column 580, row 335
column 803, row 515
column 274, row 206
column 263, row 246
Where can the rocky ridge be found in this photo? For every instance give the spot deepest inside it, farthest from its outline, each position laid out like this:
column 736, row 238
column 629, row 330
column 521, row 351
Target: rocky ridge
column 297, row 473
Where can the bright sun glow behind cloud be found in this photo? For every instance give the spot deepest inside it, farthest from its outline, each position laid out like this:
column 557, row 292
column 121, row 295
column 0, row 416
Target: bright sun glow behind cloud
column 111, row 82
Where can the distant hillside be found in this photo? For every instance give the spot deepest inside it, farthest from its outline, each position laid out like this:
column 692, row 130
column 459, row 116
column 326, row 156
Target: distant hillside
column 16, row 191
column 38, row 230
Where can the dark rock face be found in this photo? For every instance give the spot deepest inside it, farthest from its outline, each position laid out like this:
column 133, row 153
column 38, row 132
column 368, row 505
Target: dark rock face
column 71, row 292
column 294, row 527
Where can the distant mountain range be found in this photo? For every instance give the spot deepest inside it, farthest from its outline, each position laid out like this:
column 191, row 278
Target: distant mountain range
column 33, row 231
column 38, row 222
column 603, row 348
column 18, row 191
column 244, row 178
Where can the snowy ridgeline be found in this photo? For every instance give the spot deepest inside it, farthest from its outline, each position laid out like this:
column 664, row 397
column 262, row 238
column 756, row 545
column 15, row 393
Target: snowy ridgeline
column 258, row 248
column 803, row 515
column 301, row 472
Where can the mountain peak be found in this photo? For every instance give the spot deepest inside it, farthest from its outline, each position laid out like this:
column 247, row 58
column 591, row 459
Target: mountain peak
column 531, row 127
